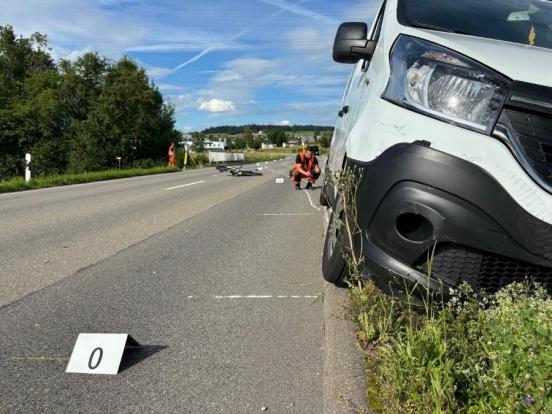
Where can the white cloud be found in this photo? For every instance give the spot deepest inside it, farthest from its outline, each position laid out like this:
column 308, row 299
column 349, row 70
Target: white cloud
column 156, row 72
column 240, row 80
column 217, row 106
column 169, row 87
column 72, row 25
column 284, row 122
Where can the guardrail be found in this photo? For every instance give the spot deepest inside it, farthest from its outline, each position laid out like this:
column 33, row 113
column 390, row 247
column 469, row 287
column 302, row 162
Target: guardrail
column 215, row 157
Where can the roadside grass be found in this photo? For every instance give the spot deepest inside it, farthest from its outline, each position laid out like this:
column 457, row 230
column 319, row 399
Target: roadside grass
column 476, row 353
column 19, row 184
column 195, row 161
column 263, row 156
column 274, row 154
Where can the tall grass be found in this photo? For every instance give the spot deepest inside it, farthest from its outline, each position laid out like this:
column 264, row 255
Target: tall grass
column 475, row 353
column 19, row 184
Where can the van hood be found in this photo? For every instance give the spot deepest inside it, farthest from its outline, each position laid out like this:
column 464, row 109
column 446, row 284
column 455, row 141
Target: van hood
column 517, row 62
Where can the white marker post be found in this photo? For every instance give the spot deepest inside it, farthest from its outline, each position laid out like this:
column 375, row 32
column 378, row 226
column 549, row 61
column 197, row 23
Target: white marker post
column 27, row 167
column 99, row 353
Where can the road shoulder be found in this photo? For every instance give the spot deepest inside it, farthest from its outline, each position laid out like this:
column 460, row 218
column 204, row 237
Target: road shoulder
column 344, row 369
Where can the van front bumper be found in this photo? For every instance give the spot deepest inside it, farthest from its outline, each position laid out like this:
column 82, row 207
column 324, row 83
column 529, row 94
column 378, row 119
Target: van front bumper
column 416, row 203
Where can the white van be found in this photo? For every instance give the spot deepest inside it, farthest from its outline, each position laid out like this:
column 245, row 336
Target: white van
column 448, row 114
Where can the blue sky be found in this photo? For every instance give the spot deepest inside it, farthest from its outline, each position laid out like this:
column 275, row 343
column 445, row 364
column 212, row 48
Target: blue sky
column 218, row 61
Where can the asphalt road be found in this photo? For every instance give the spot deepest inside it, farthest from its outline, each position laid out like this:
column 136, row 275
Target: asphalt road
column 218, row 277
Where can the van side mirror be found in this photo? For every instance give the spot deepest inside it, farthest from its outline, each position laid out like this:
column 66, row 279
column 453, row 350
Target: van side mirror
column 352, row 44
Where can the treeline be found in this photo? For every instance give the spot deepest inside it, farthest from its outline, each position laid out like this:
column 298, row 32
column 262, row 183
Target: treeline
column 234, row 130
column 76, row 116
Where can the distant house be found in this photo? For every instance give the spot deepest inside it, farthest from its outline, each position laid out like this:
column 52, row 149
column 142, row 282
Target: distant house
column 259, row 136
column 293, row 142
column 207, row 145
column 186, row 143
column 307, row 140
column 214, row 145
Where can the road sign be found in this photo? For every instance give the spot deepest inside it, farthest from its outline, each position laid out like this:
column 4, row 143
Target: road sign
column 99, row 353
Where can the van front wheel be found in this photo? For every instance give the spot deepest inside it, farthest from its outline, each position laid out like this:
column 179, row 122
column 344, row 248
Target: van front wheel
column 334, row 268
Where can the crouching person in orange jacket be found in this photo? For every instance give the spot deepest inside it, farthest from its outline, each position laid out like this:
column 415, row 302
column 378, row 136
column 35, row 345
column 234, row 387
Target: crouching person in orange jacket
column 306, row 166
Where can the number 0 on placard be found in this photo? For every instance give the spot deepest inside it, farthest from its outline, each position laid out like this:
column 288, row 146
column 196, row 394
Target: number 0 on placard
column 92, row 365
column 99, row 353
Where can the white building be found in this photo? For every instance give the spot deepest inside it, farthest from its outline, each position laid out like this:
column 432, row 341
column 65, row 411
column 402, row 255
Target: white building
column 214, row 145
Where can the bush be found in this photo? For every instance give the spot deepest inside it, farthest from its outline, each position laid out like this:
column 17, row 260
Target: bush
column 10, row 167
column 476, row 354
column 48, row 158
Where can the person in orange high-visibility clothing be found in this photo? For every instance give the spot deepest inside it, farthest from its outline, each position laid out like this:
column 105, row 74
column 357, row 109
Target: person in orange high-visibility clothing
column 306, row 167
column 172, row 156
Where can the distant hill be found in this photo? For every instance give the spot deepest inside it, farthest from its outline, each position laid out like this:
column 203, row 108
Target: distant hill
column 233, row 129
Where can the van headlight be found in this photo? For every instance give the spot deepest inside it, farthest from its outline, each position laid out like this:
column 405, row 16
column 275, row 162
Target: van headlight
column 444, row 84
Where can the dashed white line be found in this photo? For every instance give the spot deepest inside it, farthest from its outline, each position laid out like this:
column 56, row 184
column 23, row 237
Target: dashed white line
column 289, row 214
column 266, row 297
column 184, row 185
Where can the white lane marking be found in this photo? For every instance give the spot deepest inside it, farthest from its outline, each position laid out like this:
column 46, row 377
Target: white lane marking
column 184, row 185
column 290, row 214
column 310, row 200
column 266, row 297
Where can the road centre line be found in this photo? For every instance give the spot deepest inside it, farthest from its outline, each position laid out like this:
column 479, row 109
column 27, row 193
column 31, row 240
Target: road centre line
column 184, row 185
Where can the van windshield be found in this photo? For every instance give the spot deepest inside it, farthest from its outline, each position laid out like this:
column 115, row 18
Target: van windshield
column 527, row 22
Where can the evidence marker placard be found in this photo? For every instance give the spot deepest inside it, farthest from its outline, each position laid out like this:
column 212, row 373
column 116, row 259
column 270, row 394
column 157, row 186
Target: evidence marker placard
column 99, row 353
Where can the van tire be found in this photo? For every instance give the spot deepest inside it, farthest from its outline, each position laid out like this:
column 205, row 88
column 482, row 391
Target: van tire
column 334, row 268
column 323, row 200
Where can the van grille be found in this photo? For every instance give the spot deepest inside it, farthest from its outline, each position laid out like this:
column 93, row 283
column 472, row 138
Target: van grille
column 534, row 135
column 525, row 125
column 483, row 270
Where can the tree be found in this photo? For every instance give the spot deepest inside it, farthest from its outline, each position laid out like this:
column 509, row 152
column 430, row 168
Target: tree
column 28, row 105
column 277, row 137
column 199, row 142
column 81, row 84
column 325, row 140
column 238, row 143
column 248, row 136
column 77, row 115
column 128, row 119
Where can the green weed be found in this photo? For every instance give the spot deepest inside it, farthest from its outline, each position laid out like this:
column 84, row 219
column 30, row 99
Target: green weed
column 19, row 184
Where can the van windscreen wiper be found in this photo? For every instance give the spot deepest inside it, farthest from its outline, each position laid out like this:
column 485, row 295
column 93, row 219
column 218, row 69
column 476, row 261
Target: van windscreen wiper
column 437, row 28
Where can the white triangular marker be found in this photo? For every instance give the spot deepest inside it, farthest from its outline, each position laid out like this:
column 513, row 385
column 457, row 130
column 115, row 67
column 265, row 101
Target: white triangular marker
column 99, row 353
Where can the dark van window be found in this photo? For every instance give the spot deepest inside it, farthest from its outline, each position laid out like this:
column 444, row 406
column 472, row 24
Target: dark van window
column 528, row 22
